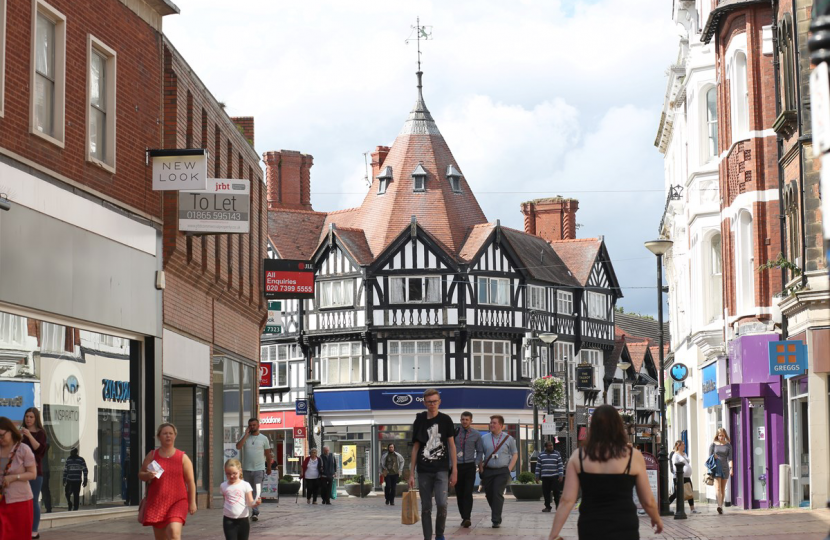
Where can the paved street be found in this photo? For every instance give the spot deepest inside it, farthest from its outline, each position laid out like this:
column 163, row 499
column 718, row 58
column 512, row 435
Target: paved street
column 370, row 519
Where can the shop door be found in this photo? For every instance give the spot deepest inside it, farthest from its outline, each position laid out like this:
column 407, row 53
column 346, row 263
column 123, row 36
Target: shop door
column 737, row 455
column 801, row 459
column 760, row 470
column 111, row 483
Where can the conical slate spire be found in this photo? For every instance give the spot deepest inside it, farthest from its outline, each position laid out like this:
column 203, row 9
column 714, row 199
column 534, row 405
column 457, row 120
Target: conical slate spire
column 420, row 121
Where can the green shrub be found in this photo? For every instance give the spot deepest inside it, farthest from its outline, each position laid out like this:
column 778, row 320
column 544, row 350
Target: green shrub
column 286, row 479
column 526, row 477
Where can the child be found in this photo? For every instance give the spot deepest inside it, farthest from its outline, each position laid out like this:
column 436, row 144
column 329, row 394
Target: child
column 239, row 497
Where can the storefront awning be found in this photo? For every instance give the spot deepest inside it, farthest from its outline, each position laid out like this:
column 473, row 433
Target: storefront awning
column 280, row 420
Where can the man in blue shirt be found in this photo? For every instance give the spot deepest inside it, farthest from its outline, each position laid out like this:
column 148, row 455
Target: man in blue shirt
column 499, row 455
column 466, row 441
column 550, row 469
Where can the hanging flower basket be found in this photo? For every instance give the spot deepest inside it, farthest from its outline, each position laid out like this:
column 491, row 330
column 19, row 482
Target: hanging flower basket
column 548, row 391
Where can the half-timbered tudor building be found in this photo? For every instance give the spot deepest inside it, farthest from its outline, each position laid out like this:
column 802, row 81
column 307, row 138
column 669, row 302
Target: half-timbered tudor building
column 416, row 289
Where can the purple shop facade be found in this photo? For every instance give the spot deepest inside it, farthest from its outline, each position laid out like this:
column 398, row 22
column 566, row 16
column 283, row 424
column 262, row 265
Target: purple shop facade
column 756, row 422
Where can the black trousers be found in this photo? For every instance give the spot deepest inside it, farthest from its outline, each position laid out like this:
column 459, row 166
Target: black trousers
column 495, row 481
column 236, row 529
column 390, row 487
column 312, row 487
column 550, row 484
column 47, row 495
column 73, row 488
column 464, row 486
column 325, row 489
column 674, row 495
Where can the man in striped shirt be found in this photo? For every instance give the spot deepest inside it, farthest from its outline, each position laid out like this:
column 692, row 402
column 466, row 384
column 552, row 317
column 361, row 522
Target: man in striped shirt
column 550, row 469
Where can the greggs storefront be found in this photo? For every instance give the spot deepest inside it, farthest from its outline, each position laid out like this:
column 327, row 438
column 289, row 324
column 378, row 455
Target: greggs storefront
column 279, row 426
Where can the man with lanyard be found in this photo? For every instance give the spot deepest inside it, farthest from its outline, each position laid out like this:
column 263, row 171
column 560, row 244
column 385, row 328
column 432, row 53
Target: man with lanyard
column 433, row 455
column 256, row 459
column 499, row 454
column 466, row 441
column 550, row 469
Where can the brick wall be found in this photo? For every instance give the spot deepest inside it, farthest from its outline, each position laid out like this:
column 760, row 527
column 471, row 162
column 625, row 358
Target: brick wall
column 288, row 174
column 552, row 219
column 138, row 49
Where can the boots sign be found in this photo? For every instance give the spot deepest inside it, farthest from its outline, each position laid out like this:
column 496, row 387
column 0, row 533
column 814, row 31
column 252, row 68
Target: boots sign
column 174, row 170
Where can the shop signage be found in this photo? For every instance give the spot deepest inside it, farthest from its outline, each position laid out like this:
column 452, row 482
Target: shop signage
column 299, row 451
column 224, row 206
column 787, row 357
column 301, row 407
column 286, row 279
column 653, row 473
column 402, row 400
column 266, row 374
column 710, row 385
column 174, row 170
column 15, row 398
column 549, row 428
column 413, row 399
column 273, row 326
column 115, row 390
column 585, row 377
column 679, row 372
column 349, row 452
column 299, row 432
column 270, row 418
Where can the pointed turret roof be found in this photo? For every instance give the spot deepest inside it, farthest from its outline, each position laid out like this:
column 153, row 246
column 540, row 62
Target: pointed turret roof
column 419, row 149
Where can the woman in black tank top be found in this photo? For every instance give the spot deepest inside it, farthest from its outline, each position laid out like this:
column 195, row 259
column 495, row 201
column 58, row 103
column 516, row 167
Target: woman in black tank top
column 607, row 509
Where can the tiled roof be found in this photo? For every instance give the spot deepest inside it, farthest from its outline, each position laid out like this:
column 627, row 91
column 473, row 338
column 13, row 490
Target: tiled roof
column 538, row 258
column 475, row 240
column 355, row 243
column 579, row 255
column 295, row 233
column 637, row 350
column 635, row 325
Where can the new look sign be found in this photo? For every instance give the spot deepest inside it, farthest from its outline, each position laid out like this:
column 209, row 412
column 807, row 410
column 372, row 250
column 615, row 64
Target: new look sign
column 178, row 169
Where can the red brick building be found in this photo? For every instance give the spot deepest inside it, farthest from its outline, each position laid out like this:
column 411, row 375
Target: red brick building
column 109, row 316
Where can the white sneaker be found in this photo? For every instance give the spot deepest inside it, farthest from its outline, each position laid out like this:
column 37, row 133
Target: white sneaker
column 695, row 512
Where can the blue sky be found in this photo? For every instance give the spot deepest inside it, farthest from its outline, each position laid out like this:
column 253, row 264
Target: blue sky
column 535, row 98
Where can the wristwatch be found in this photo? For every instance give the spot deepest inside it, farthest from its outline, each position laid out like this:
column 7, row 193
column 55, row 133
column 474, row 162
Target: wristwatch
column 18, row 478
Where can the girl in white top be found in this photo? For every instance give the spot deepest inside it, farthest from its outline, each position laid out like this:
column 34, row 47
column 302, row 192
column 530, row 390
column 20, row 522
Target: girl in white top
column 679, row 456
column 239, row 497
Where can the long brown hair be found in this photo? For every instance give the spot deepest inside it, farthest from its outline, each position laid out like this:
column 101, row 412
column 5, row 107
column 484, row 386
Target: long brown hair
column 607, row 438
column 8, row 425
column 34, row 411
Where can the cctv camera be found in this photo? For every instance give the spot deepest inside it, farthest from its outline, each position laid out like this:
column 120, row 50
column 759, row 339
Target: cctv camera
column 4, row 203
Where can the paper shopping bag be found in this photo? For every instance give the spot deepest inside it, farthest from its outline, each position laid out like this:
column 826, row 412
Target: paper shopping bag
column 409, row 508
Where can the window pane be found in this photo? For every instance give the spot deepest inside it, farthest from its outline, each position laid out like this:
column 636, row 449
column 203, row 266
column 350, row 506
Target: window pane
column 325, row 294
column 344, row 370
column 438, row 367
column 398, row 285
column 488, row 346
column 336, row 293
column 494, row 291
column 44, row 98
column 477, row 361
column 482, row 290
column 433, row 285
column 498, row 347
column 344, row 349
column 355, row 364
column 348, row 292
column 476, row 346
column 408, row 367
column 97, row 81
column 282, row 352
column 500, row 365
column 45, row 46
column 394, row 369
column 438, row 346
column 425, row 347
column 504, row 292
column 488, row 367
column 356, row 349
column 416, row 290
column 408, row 347
column 282, row 374
column 393, row 347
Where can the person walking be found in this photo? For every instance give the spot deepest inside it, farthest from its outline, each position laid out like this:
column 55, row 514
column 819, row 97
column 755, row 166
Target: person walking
column 392, row 464
column 434, row 458
column 679, row 456
column 551, row 471
column 238, row 497
column 35, row 438
column 329, row 472
column 499, row 455
column 607, row 469
column 75, row 476
column 466, row 442
column 256, row 459
column 172, row 491
column 311, row 474
column 721, row 448
column 17, row 469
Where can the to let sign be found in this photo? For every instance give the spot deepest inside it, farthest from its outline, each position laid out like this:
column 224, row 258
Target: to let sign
column 787, row 357
column 223, row 207
column 175, row 170
column 288, row 279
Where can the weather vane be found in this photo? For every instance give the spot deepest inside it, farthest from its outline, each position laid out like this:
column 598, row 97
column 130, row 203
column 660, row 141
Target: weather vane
column 421, row 32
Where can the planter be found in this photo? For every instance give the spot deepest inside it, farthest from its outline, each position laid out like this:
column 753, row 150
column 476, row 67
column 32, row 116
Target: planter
column 290, row 488
column 354, row 489
column 526, row 492
column 400, row 489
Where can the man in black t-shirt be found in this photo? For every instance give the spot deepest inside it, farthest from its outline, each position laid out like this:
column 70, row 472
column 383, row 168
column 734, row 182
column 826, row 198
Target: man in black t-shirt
column 433, row 456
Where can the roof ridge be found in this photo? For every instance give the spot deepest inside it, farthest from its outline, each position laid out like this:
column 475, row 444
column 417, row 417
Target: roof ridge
column 295, row 211
column 342, row 211
column 575, row 240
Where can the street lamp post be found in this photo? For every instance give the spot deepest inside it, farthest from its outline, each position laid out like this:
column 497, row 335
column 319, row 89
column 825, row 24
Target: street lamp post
column 623, row 365
column 659, row 248
column 548, row 338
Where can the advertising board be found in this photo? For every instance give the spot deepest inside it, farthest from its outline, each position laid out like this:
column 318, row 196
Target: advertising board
column 288, row 279
column 224, row 206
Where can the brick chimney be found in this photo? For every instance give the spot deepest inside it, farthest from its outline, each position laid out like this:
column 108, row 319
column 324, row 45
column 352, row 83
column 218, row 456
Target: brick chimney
column 246, row 126
column 288, row 177
column 378, row 157
column 552, row 219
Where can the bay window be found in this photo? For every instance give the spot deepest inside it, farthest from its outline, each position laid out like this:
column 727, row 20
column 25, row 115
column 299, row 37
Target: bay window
column 491, row 360
column 337, row 293
column 341, row 363
column 564, row 302
column 596, row 306
column 536, row 297
column 416, row 361
column 426, row 289
column 494, row 291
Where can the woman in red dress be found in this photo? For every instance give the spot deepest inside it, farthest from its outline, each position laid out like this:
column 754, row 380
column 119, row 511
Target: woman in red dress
column 172, row 493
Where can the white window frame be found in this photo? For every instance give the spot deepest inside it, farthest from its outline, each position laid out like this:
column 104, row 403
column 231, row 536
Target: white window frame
column 738, row 74
column 57, row 137
column 432, row 363
column 419, row 182
column 502, row 291
column 331, row 362
column 396, row 299
column 710, row 143
column 479, row 357
column 536, row 297
column 713, row 274
column 327, row 287
column 455, row 183
column 95, row 45
column 597, row 308
column 616, row 395
column 2, row 55
column 591, row 357
column 745, row 263
column 564, row 302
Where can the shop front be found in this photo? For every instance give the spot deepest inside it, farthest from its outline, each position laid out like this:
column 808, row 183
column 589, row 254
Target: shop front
column 287, row 451
column 755, row 422
column 359, row 424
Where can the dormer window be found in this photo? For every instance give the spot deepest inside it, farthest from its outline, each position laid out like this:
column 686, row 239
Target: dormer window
column 419, row 178
column 454, row 177
column 383, row 179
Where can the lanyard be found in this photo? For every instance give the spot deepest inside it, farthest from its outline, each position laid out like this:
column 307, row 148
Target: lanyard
column 493, row 438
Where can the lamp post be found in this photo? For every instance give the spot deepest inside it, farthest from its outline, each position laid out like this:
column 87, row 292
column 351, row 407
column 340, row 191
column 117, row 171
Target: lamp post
column 659, row 248
column 623, row 365
column 548, row 338
column 636, row 393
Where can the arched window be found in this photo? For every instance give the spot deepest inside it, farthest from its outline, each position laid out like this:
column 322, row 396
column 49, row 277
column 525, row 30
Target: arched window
column 787, row 62
column 711, row 129
column 745, row 264
column 739, row 90
column 714, row 276
column 791, row 211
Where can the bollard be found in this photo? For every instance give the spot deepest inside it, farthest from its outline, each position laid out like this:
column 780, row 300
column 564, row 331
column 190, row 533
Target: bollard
column 680, row 510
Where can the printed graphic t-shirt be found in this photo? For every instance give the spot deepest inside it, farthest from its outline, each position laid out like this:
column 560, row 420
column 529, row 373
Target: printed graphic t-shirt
column 253, row 452
column 235, row 495
column 433, row 435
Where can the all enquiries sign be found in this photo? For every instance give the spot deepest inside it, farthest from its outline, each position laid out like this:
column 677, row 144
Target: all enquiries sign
column 223, row 207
